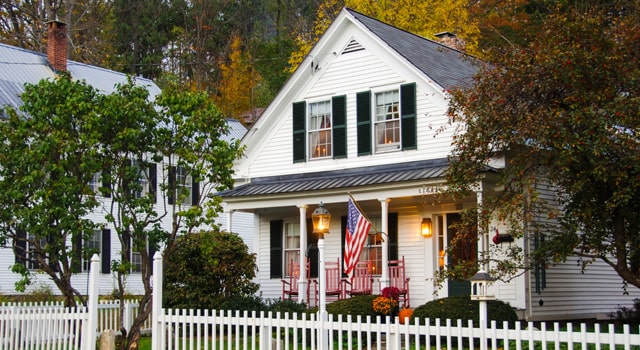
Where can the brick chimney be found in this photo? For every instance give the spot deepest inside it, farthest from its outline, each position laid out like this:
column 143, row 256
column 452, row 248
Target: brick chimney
column 451, row 40
column 57, row 45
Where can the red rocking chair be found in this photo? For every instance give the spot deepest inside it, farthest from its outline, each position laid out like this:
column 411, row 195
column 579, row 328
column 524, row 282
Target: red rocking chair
column 398, row 279
column 361, row 283
column 334, row 281
column 290, row 284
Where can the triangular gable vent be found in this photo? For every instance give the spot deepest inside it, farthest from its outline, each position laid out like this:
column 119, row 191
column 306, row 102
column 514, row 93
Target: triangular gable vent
column 353, row 46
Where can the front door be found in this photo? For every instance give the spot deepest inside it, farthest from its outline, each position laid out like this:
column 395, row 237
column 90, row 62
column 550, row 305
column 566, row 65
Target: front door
column 464, row 251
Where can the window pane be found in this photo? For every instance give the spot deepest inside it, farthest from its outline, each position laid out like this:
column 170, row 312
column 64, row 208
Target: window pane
column 320, row 130
column 291, row 247
column 372, row 251
column 387, row 121
column 91, row 246
column 184, row 185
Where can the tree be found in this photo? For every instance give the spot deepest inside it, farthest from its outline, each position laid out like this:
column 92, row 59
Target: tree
column 239, row 81
column 48, row 158
column 182, row 133
column 208, row 268
column 563, row 108
column 89, row 26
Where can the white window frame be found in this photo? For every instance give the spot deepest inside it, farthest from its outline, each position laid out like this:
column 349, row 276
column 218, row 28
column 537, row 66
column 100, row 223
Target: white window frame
column 291, row 245
column 372, row 250
column 386, row 120
column 143, row 178
column 184, row 185
column 96, row 182
column 319, row 132
column 89, row 247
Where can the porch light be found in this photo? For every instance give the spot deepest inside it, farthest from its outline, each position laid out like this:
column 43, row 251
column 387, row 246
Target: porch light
column 321, row 220
column 425, row 228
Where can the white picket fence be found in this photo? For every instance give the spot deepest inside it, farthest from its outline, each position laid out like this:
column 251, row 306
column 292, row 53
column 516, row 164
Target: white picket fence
column 56, row 327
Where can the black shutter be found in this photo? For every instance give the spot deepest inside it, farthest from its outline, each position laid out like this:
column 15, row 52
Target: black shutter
column 275, row 239
column 172, row 185
column 195, row 192
column 152, row 251
column 393, row 236
column 312, row 250
column 408, row 116
column 363, row 113
column 126, row 247
column 76, row 248
column 339, row 114
column 153, row 181
column 20, row 247
column 106, row 251
column 299, row 131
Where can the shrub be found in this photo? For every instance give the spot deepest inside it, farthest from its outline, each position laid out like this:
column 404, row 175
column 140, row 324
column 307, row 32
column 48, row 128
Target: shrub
column 625, row 315
column 360, row 305
column 244, row 303
column 287, row 305
column 462, row 307
column 210, row 270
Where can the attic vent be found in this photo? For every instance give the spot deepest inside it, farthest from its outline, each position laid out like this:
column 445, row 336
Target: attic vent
column 353, row 46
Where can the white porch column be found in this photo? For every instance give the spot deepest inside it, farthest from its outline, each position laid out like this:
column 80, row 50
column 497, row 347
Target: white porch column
column 384, row 276
column 302, row 281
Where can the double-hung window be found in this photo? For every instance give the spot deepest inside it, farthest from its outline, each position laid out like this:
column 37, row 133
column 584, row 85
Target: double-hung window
column 143, row 178
column 372, row 250
column 95, row 182
column 291, row 247
column 184, row 185
column 387, row 121
column 320, row 145
column 91, row 246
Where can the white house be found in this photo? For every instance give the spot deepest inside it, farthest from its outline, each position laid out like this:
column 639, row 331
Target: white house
column 365, row 115
column 18, row 67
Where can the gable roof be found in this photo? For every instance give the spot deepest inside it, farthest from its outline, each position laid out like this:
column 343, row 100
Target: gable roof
column 449, row 68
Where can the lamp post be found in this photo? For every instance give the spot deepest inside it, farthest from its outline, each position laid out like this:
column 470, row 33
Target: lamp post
column 321, row 220
column 482, row 290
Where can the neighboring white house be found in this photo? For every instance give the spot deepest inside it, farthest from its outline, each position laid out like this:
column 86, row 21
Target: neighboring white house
column 18, row 67
column 366, row 114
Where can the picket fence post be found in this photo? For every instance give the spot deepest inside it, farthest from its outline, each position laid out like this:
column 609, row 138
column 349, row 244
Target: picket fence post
column 156, row 302
column 89, row 331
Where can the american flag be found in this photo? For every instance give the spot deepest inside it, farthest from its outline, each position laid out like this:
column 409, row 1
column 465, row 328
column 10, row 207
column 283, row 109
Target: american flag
column 357, row 230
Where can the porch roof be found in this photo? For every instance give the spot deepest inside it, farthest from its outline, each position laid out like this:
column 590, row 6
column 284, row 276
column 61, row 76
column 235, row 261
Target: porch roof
column 342, row 178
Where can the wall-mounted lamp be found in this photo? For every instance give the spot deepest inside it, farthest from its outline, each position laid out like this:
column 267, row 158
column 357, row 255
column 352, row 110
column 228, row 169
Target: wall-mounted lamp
column 426, row 228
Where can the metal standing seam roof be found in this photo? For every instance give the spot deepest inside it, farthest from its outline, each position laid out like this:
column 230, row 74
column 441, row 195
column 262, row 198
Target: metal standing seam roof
column 19, row 66
column 344, row 178
column 447, row 67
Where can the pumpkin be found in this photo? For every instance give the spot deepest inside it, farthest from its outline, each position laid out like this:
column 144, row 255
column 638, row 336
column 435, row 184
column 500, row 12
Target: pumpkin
column 405, row 312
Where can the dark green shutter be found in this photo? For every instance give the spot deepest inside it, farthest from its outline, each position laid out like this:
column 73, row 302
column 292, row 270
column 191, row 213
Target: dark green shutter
column 76, row 248
column 195, row 192
column 408, row 116
column 106, row 251
column 312, row 250
column 20, row 247
column 172, row 185
column 393, row 236
column 339, row 114
column 126, row 247
column 363, row 115
column 105, row 191
column 275, row 245
column 153, row 181
column 299, row 131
